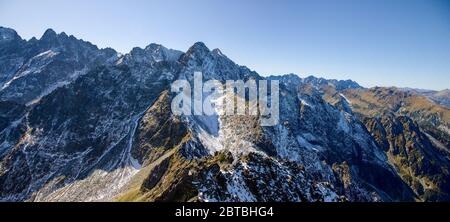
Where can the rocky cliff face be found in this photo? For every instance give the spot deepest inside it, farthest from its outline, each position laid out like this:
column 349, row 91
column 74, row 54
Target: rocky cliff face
column 410, row 128
column 424, row 167
column 109, row 134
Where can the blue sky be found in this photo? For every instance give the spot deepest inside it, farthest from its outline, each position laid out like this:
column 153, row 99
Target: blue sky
column 403, row 43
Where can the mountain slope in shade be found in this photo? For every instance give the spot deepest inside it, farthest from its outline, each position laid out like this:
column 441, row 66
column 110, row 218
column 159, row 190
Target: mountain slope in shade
column 423, row 166
column 109, row 134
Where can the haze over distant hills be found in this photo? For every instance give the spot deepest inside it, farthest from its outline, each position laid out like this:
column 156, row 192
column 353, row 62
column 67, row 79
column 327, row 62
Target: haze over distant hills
column 79, row 123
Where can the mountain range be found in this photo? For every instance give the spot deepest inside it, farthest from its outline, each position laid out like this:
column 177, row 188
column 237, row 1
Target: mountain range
column 79, row 123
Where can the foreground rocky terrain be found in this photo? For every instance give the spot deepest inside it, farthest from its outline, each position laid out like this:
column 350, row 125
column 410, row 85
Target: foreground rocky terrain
column 78, row 123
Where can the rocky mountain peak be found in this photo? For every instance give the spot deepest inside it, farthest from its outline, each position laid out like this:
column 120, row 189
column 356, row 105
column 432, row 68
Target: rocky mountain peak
column 199, row 48
column 46, row 64
column 217, row 51
column 7, row 34
column 151, row 54
column 154, row 47
column 49, row 34
column 160, row 53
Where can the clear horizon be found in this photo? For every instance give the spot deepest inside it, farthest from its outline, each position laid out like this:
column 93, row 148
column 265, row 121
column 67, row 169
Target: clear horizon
column 385, row 43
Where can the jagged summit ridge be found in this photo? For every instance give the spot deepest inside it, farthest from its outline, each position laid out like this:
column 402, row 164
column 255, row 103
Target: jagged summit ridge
column 48, row 63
